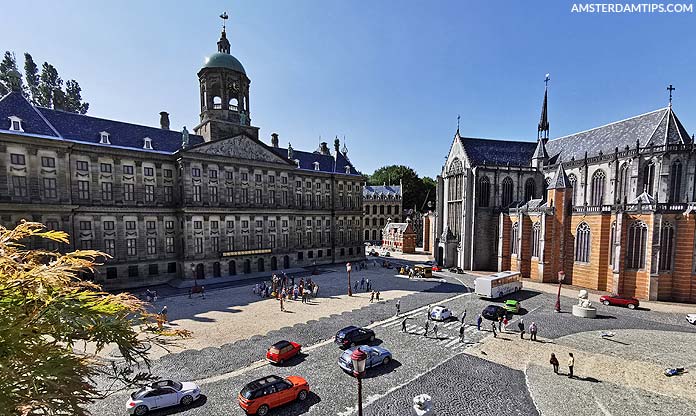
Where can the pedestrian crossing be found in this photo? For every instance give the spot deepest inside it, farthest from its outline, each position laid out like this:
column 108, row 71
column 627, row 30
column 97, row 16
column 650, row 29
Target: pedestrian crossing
column 447, row 334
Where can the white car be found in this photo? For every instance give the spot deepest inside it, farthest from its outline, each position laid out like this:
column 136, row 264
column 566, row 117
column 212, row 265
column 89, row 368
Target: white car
column 440, row 313
column 691, row 317
column 161, row 394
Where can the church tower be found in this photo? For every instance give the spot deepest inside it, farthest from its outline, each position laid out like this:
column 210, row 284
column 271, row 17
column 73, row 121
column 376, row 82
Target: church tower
column 224, row 95
column 541, row 157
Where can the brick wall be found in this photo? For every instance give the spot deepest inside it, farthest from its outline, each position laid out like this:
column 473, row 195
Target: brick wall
column 683, row 285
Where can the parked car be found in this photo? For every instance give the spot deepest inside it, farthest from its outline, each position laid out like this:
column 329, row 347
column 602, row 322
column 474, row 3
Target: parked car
column 512, row 305
column 386, row 254
column 691, row 318
column 282, row 350
column 440, row 313
column 259, row 396
column 492, row 312
column 618, row 300
column 161, row 394
column 375, row 356
column 374, row 253
column 437, row 268
column 457, row 270
column 353, row 335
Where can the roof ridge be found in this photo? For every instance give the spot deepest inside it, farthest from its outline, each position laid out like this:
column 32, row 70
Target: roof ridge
column 609, row 124
column 657, row 126
column 496, row 140
column 36, row 110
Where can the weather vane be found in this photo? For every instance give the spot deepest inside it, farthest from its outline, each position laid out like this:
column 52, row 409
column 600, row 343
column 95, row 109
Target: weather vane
column 224, row 18
column 458, row 117
column 670, row 89
column 547, row 79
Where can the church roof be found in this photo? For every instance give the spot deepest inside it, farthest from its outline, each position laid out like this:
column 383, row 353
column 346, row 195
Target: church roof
column 87, row 129
column 560, row 181
column 497, row 152
column 326, row 162
column 658, row 127
column 386, row 190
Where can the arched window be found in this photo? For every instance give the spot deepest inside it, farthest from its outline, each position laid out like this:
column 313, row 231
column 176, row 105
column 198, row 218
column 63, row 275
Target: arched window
column 367, row 235
column 233, row 104
column 598, row 180
column 217, row 103
column 484, row 191
column 623, row 183
column 536, row 239
column 507, row 192
column 374, row 235
column 216, row 269
column 260, row 265
column 582, row 243
column 666, row 246
column 637, row 244
column 232, row 268
column 649, row 177
column 675, row 175
column 573, row 181
column 514, row 234
column 612, row 237
column 529, row 189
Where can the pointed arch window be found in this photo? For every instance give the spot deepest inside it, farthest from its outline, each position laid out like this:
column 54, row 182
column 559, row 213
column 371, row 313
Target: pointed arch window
column 582, row 243
column 597, row 195
column 649, row 178
column 484, row 191
column 573, row 181
column 675, row 176
column 507, row 192
column 637, row 245
column 529, row 189
column 536, row 239
column 623, row 182
column 514, row 236
column 666, row 246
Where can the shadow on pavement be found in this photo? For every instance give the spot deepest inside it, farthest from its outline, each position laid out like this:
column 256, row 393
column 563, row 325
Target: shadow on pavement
column 297, row 408
column 202, row 400
column 590, row 379
column 600, row 316
column 613, row 340
column 383, row 369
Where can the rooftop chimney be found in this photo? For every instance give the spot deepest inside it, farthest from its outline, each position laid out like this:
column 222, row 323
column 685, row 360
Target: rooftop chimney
column 164, row 120
column 324, row 148
column 274, row 139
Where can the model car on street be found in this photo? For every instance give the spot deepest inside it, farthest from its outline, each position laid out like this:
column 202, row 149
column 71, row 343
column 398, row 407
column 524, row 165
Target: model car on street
column 351, row 336
column 493, row 312
column 161, row 394
column 457, row 270
column 618, row 300
column 691, row 318
column 259, row 396
column 512, row 305
column 282, row 351
column 375, row 356
column 437, row 268
column 440, row 313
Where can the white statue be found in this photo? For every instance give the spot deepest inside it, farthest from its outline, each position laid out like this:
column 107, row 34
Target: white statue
column 583, row 299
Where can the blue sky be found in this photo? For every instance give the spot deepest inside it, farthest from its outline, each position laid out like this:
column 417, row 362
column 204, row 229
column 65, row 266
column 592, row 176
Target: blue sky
column 389, row 75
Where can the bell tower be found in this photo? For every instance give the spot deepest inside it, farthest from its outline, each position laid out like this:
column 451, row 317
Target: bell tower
column 224, row 94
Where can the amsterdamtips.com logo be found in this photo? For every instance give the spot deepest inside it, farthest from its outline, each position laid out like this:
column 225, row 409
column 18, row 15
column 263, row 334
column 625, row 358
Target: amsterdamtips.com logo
column 632, row 8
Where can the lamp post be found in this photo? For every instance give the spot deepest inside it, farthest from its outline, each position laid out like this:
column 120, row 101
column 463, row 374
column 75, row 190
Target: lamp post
column 348, row 269
column 358, row 358
column 193, row 272
column 561, row 277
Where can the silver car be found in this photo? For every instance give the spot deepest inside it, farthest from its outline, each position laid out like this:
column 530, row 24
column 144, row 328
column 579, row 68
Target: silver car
column 161, row 394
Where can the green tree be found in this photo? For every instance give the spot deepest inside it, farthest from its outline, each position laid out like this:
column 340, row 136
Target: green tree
column 8, row 72
column 31, row 76
column 45, row 311
column 430, row 187
column 49, row 85
column 73, row 98
column 413, row 186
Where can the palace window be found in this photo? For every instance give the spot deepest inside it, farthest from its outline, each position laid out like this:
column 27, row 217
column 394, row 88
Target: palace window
column 147, row 143
column 675, row 175
column 245, row 176
column 149, row 193
column 108, row 225
column 649, row 178
column 17, row 159
column 245, row 242
column 130, row 225
column 110, row 247
column 16, row 123
column 536, row 239
column 128, row 191
column 213, row 193
column 104, row 138
column 167, row 173
column 257, row 196
column 598, row 180
column 168, row 194
column 514, row 236
column 199, row 245
column 198, row 225
column 48, row 162
column 50, row 188
column 637, row 245
column 582, row 243
column 106, row 191
column 148, row 171
column 131, row 246
column 215, row 244
column 105, row 167
column 507, row 193
column 666, row 246
column 245, row 195
column 271, row 197
column 196, row 193
column 82, row 165
column 271, row 241
column 230, row 195
column 212, row 174
column 529, row 189
column 83, row 189
column 484, row 192
column 196, row 172
column 127, row 169
column 151, row 245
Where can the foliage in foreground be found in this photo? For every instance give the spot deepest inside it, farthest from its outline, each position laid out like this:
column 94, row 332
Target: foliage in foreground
column 46, row 310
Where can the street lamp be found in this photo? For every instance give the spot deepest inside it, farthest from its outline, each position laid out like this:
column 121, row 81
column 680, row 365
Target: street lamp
column 359, row 358
column 348, row 269
column 561, row 277
column 193, row 272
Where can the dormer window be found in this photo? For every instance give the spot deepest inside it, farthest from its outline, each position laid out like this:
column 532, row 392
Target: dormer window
column 297, row 162
column 16, row 123
column 104, row 138
column 347, row 168
column 316, row 165
column 147, row 143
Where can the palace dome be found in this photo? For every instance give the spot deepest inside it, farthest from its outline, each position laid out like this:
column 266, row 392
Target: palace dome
column 224, row 60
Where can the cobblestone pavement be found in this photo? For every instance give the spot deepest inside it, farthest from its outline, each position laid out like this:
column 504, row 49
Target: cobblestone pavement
column 459, row 383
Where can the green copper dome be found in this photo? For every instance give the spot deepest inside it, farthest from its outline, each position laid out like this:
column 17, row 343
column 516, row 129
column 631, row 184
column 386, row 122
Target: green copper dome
column 224, row 60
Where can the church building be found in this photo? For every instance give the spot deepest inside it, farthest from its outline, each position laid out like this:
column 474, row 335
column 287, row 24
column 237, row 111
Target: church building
column 611, row 206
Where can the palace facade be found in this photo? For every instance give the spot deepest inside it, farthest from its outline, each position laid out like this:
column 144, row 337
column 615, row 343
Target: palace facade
column 380, row 203
column 167, row 204
column 612, row 207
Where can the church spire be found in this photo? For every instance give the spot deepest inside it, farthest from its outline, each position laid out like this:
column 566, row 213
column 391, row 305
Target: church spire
column 543, row 130
column 223, row 43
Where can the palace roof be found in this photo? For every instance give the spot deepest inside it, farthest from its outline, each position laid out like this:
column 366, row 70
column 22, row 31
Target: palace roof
column 327, row 163
column 381, row 191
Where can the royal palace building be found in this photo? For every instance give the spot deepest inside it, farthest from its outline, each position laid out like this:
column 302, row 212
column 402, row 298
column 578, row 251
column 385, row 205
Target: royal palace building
column 380, row 204
column 167, row 204
column 612, row 207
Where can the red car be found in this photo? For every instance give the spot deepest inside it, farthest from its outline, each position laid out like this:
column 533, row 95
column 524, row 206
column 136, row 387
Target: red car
column 437, row 268
column 282, row 350
column 259, row 396
column 619, row 300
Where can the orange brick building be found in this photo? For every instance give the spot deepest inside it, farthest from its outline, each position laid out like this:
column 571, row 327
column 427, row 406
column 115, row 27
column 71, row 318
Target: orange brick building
column 399, row 236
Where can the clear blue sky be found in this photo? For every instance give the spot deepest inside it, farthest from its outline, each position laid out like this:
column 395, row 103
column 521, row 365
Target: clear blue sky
column 389, row 75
